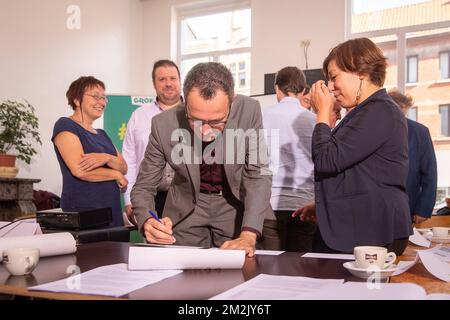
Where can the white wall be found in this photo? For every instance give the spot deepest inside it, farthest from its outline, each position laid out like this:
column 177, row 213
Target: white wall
column 119, row 41
column 40, row 57
column 277, row 29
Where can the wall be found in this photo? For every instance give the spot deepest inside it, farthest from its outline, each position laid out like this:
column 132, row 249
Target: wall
column 40, row 57
column 277, row 29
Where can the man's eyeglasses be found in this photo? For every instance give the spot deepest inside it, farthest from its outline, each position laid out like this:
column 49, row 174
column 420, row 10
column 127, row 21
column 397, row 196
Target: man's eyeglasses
column 212, row 123
column 98, row 97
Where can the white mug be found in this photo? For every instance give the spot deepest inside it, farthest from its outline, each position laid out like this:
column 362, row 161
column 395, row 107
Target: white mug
column 368, row 256
column 441, row 232
column 20, row 261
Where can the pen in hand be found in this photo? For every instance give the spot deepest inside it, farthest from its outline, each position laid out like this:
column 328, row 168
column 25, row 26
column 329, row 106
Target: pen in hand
column 154, row 215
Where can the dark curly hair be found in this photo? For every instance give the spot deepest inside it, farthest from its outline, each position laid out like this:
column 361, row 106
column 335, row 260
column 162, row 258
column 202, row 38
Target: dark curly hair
column 78, row 88
column 209, row 77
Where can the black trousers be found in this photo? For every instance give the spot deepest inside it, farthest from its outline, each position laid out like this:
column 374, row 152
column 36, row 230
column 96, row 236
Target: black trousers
column 287, row 233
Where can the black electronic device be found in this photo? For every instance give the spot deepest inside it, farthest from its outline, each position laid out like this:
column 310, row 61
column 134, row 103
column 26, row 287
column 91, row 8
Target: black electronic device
column 74, row 218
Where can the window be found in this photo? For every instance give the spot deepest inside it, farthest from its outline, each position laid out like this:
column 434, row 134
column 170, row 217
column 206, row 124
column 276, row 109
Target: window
column 445, row 120
column 411, row 69
column 412, row 113
column 241, row 79
column 444, row 64
column 220, row 34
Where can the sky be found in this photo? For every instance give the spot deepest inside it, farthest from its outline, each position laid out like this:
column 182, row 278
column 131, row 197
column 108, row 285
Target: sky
column 360, row 6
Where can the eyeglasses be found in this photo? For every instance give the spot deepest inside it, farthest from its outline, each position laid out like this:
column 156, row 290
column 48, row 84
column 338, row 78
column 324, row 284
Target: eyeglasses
column 98, row 97
column 212, row 123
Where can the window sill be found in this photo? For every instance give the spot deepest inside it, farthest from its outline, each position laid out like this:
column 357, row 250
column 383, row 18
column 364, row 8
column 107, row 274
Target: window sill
column 442, row 81
column 441, row 139
column 411, row 84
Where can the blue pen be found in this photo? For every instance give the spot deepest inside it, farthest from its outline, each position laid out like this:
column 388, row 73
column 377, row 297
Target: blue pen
column 154, row 215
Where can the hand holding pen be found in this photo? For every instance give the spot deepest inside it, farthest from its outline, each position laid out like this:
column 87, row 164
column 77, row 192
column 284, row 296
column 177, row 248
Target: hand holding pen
column 158, row 230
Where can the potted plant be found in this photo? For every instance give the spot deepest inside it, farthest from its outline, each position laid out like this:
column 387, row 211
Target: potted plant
column 18, row 133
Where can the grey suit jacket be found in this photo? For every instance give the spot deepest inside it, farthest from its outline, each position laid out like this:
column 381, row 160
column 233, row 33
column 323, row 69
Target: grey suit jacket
column 171, row 141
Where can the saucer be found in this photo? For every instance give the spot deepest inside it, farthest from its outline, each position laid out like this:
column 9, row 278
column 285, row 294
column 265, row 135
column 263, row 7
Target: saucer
column 365, row 274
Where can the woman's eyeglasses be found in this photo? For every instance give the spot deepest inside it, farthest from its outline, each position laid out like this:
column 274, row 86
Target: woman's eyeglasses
column 98, row 97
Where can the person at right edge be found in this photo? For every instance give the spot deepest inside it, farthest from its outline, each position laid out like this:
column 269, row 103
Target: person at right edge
column 361, row 166
column 421, row 184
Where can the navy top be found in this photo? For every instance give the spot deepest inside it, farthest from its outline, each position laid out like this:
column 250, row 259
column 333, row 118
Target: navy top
column 360, row 172
column 78, row 193
column 422, row 174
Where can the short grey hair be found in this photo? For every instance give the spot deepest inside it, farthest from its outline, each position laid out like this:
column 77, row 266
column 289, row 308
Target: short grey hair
column 209, row 77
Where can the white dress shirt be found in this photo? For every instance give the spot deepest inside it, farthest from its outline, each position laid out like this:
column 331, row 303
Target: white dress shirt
column 135, row 144
column 290, row 158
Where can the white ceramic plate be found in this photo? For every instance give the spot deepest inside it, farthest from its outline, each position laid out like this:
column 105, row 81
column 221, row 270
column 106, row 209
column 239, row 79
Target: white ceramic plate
column 364, row 273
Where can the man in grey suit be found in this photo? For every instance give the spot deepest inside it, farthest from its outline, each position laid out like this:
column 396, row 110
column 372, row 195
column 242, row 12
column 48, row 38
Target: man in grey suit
column 220, row 192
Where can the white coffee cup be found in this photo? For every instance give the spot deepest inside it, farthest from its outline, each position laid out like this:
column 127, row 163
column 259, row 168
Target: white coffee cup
column 20, row 261
column 371, row 256
column 441, row 232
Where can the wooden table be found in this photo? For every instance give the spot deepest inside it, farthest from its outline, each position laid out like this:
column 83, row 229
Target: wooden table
column 418, row 273
column 191, row 284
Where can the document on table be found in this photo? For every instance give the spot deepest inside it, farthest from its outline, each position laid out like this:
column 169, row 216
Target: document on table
column 372, row 291
column 114, row 280
column 19, row 228
column 268, row 252
column 270, row 287
column 418, row 239
column 338, row 256
column 437, row 261
column 156, row 258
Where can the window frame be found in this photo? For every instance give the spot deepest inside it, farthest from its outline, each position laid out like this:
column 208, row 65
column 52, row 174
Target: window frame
column 442, row 106
column 400, row 33
column 448, row 64
column 199, row 10
column 408, row 66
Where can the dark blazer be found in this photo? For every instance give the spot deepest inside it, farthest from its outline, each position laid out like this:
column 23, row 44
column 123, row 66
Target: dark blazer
column 422, row 174
column 360, row 176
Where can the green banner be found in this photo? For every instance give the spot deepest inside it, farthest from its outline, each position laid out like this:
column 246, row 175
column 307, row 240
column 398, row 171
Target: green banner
column 115, row 119
column 118, row 112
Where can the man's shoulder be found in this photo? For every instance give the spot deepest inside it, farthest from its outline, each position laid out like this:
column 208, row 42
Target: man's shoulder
column 171, row 116
column 416, row 126
column 246, row 102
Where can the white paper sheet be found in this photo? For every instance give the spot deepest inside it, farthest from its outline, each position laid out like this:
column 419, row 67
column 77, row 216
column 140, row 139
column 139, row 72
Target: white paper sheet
column 404, row 266
column 151, row 258
column 372, row 291
column 329, row 256
column 268, row 252
column 20, row 228
column 418, row 239
column 114, row 280
column 52, row 244
column 437, row 261
column 269, row 287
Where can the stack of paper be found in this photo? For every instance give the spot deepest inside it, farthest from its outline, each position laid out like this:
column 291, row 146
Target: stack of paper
column 269, row 287
column 114, row 280
column 19, row 228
